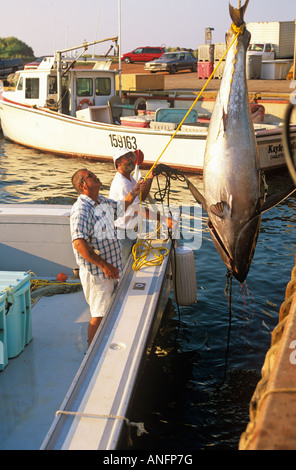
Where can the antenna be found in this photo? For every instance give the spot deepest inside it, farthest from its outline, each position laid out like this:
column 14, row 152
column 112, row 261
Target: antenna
column 97, row 26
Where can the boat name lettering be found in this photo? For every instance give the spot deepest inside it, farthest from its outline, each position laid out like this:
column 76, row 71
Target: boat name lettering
column 275, row 148
column 123, row 141
column 277, row 151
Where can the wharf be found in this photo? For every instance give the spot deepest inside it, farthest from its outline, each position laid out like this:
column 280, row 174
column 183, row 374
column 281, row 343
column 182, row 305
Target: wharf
column 190, row 81
column 272, row 423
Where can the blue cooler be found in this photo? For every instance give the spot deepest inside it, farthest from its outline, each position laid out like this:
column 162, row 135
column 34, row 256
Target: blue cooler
column 3, row 332
column 16, row 286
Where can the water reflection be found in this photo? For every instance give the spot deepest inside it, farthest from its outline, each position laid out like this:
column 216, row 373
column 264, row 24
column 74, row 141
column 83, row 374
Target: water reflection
column 28, row 176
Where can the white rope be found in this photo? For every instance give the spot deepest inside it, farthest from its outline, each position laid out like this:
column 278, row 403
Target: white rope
column 140, row 426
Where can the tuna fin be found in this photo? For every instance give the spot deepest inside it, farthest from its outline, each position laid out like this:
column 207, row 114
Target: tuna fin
column 275, row 199
column 237, row 14
column 221, row 209
column 195, row 193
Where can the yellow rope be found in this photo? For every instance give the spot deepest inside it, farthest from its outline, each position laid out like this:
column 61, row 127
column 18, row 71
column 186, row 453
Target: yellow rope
column 9, row 291
column 35, row 283
column 141, row 251
column 140, row 257
column 238, row 32
column 238, row 29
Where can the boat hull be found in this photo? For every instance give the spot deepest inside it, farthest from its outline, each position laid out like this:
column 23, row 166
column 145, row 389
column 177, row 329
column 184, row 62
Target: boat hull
column 71, row 137
column 56, row 368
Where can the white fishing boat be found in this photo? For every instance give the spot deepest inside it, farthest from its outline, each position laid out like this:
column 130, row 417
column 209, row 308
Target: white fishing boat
column 55, row 392
column 77, row 112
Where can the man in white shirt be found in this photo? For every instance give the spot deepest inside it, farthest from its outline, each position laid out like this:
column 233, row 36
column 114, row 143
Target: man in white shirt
column 123, row 184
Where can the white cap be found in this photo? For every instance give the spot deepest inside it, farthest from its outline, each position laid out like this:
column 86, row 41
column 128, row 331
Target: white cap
column 119, row 153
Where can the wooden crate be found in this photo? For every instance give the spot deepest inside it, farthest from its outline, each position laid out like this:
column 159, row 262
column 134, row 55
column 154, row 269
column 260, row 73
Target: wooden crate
column 140, row 82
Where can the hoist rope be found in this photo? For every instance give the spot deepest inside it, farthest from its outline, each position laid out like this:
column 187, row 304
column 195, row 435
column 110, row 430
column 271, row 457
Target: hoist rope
column 142, row 249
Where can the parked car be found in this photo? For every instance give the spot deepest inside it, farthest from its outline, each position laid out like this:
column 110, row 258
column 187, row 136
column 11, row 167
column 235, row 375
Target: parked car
column 8, row 66
column 36, row 63
column 172, row 62
column 143, row 54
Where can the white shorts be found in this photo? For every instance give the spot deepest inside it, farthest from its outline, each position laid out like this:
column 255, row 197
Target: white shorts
column 97, row 291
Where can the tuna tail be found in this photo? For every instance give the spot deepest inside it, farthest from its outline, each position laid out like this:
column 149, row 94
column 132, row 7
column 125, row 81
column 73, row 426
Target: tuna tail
column 237, row 14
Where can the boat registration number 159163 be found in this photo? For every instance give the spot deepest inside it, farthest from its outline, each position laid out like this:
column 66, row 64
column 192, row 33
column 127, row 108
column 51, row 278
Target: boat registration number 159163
column 123, row 141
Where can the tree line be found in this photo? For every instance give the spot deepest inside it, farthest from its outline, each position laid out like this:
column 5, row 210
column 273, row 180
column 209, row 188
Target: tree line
column 176, row 49
column 12, row 48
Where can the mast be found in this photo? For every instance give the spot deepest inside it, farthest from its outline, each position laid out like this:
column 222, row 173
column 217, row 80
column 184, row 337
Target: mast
column 294, row 64
column 119, row 45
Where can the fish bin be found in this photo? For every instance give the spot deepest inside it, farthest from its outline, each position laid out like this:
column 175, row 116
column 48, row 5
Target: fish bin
column 276, row 69
column 206, row 53
column 204, row 69
column 220, row 49
column 254, row 67
column 135, row 121
column 220, row 70
column 16, row 287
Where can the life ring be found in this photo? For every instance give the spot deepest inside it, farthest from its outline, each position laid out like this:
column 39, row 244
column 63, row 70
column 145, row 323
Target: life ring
column 85, row 101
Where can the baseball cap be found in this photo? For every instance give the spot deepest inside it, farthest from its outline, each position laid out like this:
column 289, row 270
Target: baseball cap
column 119, row 153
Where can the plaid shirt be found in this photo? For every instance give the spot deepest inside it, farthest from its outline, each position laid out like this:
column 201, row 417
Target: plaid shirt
column 95, row 224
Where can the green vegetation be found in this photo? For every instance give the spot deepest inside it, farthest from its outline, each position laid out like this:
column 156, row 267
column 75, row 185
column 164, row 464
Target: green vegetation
column 176, row 49
column 11, row 48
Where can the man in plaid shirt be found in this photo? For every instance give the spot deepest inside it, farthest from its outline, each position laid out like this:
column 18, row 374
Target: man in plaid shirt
column 95, row 244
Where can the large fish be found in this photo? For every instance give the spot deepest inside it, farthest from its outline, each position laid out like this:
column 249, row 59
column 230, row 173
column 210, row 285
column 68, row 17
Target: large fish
column 232, row 196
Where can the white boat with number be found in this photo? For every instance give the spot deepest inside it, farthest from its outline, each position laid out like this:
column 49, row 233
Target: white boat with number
column 77, row 112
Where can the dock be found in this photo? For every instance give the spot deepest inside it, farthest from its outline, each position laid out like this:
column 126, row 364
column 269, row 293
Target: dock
column 272, row 423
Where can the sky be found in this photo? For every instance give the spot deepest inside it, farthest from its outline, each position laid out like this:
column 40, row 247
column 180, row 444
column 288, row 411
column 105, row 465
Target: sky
column 50, row 25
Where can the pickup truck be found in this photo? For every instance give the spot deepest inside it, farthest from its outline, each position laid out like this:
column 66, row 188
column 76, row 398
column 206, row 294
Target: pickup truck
column 266, row 50
column 8, row 66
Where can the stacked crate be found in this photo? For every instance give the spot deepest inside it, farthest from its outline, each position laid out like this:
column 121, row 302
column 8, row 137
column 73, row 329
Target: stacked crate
column 220, row 49
column 205, row 61
column 15, row 314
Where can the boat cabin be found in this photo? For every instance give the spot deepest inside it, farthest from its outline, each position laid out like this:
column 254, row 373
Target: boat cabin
column 81, row 88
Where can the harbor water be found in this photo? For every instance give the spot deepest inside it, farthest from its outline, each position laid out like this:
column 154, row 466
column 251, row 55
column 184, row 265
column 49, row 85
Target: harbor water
column 184, row 398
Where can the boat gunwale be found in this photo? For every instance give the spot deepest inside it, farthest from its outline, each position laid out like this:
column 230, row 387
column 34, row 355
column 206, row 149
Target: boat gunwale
column 103, row 340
